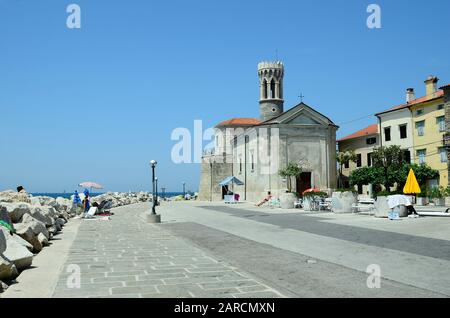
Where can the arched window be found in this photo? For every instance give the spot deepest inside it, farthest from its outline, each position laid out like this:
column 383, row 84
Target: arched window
column 272, row 88
column 265, row 94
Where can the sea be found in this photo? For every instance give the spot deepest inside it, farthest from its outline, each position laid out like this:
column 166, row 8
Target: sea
column 68, row 195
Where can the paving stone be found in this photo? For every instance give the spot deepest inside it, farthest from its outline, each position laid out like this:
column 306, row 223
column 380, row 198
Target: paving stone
column 150, row 282
column 266, row 294
column 236, row 284
column 127, row 257
column 114, row 279
column 134, row 290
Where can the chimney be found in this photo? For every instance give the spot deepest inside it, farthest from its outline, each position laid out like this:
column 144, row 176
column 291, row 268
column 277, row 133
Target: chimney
column 410, row 95
column 431, row 85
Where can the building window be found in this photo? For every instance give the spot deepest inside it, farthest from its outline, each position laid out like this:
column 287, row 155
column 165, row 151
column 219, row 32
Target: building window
column 443, row 154
column 420, row 126
column 253, row 162
column 421, row 155
column 441, row 123
column 369, row 159
column 387, row 134
column 358, row 160
column 371, row 141
column 347, row 164
column 403, row 134
column 407, row 156
column 441, row 107
column 419, row 112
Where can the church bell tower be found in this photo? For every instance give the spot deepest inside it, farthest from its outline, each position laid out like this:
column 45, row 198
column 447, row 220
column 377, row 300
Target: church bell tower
column 271, row 89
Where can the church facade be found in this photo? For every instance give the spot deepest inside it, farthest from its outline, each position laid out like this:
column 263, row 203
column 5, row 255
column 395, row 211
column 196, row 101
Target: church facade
column 254, row 150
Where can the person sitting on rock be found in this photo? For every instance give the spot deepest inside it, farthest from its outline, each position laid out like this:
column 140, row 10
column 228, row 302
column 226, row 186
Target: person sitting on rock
column 266, row 199
column 23, row 195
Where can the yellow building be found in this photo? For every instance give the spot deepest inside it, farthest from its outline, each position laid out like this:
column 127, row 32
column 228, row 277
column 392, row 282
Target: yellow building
column 428, row 119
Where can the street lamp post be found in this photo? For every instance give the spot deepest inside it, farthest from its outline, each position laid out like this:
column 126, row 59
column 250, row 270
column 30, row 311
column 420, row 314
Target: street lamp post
column 184, row 189
column 153, row 164
column 163, row 193
column 153, row 217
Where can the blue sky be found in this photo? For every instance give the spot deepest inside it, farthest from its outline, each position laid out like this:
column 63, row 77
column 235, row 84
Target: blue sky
column 98, row 103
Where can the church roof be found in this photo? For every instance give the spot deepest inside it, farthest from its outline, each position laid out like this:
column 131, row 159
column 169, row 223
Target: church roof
column 296, row 110
column 239, row 122
column 371, row 130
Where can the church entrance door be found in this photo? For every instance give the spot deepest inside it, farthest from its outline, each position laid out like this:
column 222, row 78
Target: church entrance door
column 304, row 182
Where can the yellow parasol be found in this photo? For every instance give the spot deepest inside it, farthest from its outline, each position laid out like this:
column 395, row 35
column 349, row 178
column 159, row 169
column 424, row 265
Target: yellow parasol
column 411, row 186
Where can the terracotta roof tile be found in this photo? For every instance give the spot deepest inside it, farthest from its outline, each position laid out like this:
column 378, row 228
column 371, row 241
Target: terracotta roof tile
column 238, row 122
column 416, row 101
column 371, row 130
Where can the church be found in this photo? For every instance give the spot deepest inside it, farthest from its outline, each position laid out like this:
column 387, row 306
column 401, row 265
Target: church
column 254, row 150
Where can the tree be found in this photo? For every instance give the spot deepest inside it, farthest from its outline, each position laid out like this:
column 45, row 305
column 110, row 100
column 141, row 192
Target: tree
column 390, row 160
column 392, row 175
column 342, row 158
column 292, row 170
column 365, row 176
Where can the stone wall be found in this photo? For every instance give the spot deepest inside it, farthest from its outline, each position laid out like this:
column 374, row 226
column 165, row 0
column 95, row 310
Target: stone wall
column 212, row 173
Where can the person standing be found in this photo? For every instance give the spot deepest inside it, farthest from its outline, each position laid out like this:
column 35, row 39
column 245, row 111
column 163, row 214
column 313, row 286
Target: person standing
column 86, row 201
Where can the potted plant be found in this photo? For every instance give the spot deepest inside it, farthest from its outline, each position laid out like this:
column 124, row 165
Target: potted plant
column 422, row 197
column 310, row 200
column 292, row 170
column 381, row 204
column 437, row 196
column 342, row 200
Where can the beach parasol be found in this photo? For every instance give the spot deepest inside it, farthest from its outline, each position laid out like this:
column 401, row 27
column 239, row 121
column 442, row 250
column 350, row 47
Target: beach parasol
column 90, row 185
column 411, row 186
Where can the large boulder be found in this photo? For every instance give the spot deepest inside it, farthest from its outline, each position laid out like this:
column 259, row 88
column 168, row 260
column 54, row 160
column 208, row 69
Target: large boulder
column 3, row 287
column 42, row 239
column 8, row 270
column 45, row 214
column 2, row 241
column 35, row 201
column 18, row 254
column 63, row 205
column 22, row 242
column 29, row 229
column 16, row 210
column 28, row 235
column 5, row 219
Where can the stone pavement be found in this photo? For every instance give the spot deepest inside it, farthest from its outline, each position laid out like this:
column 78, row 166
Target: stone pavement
column 126, row 257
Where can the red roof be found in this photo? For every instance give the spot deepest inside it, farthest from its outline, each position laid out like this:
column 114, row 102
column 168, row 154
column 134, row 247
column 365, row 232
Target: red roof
column 415, row 102
column 371, row 130
column 239, row 122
